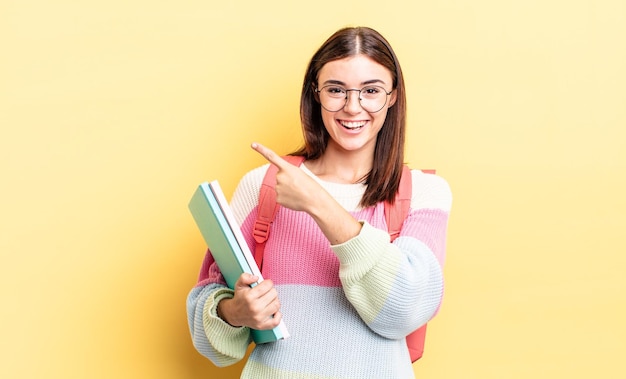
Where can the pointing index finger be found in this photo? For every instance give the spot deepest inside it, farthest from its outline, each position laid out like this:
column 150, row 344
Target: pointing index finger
column 270, row 155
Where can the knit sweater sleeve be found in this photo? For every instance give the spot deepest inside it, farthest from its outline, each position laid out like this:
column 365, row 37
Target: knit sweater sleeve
column 397, row 287
column 212, row 337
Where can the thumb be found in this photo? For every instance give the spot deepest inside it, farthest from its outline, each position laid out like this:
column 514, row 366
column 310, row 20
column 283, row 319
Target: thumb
column 246, row 279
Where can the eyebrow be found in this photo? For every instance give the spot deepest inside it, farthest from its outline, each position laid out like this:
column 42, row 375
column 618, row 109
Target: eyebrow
column 339, row 82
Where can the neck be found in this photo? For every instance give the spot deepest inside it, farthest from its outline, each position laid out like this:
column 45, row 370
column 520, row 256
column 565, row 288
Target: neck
column 343, row 167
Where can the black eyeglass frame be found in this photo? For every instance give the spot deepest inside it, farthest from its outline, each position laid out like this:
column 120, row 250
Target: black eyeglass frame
column 346, row 90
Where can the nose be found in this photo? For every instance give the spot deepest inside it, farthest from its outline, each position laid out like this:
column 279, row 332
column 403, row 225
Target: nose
column 353, row 101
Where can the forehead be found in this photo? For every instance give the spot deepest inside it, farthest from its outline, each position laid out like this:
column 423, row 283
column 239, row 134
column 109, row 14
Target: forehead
column 354, row 70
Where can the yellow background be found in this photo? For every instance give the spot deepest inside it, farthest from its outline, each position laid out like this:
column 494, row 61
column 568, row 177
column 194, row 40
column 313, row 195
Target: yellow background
column 111, row 112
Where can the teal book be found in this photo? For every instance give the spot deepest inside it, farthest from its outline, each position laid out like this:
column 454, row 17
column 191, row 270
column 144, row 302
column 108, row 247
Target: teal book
column 223, row 236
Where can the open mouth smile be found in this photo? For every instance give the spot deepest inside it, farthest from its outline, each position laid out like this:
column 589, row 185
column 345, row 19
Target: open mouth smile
column 353, row 125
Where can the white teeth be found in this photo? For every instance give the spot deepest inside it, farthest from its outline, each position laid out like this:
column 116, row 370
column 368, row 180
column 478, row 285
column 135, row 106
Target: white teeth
column 353, row 124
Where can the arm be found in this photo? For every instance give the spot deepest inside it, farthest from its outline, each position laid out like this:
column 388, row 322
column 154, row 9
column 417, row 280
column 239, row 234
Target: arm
column 215, row 339
column 298, row 191
column 398, row 287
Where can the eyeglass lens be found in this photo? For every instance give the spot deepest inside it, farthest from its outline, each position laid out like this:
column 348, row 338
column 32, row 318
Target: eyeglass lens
column 334, row 98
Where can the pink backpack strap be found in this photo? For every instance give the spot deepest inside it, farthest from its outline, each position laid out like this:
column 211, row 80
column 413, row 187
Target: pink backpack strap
column 267, row 208
column 395, row 214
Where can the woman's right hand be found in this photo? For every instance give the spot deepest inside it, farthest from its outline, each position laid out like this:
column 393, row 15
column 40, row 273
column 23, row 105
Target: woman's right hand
column 298, row 191
column 256, row 307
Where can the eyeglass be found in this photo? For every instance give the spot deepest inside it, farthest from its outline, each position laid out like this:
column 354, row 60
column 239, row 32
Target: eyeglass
column 334, row 98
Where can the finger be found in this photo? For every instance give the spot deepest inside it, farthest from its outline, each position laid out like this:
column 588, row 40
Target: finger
column 245, row 280
column 278, row 316
column 270, row 322
column 263, row 289
column 270, row 155
column 275, row 320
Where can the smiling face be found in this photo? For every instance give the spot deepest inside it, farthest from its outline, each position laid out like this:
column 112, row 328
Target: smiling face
column 352, row 128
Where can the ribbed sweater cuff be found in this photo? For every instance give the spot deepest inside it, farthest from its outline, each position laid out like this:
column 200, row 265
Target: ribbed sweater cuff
column 364, row 249
column 225, row 338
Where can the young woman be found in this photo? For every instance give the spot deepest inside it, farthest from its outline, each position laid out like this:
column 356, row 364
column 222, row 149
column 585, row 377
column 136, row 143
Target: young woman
column 348, row 296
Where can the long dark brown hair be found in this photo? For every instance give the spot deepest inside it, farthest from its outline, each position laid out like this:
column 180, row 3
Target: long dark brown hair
column 383, row 180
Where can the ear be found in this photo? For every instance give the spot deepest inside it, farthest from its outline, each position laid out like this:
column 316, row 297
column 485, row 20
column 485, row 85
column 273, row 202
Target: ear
column 393, row 97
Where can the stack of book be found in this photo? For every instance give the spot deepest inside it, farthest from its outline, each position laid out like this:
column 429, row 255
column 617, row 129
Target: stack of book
column 223, row 236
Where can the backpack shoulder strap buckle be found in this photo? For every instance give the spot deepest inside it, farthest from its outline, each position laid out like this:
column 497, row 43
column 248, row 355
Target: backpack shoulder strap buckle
column 267, row 208
column 261, row 231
